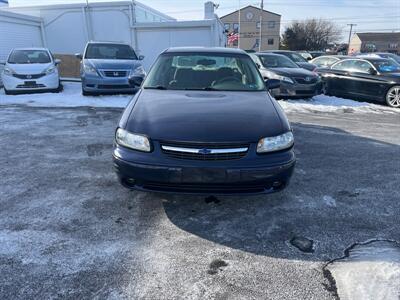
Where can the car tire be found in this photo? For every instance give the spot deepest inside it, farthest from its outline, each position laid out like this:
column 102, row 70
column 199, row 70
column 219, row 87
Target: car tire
column 393, row 96
column 59, row 89
column 325, row 89
column 7, row 92
column 85, row 93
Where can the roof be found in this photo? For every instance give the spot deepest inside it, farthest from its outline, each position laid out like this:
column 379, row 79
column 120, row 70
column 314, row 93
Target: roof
column 248, row 7
column 379, row 36
column 205, row 50
column 31, row 48
column 267, row 54
column 91, row 4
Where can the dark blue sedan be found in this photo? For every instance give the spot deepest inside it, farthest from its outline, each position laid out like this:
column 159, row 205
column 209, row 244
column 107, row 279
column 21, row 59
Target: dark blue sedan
column 204, row 122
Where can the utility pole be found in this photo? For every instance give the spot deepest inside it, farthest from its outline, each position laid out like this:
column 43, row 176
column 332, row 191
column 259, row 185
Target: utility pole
column 239, row 25
column 261, row 25
column 351, row 31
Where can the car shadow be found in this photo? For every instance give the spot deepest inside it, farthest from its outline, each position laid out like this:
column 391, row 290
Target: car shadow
column 344, row 190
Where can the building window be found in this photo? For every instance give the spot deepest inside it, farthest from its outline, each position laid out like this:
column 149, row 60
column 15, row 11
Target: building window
column 271, row 24
column 270, row 41
column 393, row 45
column 236, row 27
column 258, row 25
column 227, row 26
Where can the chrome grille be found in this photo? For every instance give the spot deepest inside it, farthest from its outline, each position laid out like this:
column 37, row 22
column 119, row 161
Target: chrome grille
column 28, row 76
column 194, row 151
column 115, row 73
column 302, row 80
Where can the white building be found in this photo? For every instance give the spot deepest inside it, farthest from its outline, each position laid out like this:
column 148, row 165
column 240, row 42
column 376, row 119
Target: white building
column 66, row 28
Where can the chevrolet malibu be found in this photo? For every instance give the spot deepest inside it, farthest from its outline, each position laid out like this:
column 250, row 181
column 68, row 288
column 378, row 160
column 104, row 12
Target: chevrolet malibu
column 203, row 122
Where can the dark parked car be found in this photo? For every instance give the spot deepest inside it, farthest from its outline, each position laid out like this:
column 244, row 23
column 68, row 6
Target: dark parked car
column 375, row 79
column 327, row 60
column 203, row 122
column 395, row 57
column 296, row 82
column 107, row 67
column 296, row 58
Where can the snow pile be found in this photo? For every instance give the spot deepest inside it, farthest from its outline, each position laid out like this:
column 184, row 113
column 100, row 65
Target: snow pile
column 322, row 103
column 71, row 96
column 371, row 271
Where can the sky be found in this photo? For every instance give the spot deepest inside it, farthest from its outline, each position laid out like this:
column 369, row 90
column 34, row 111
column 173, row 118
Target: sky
column 369, row 15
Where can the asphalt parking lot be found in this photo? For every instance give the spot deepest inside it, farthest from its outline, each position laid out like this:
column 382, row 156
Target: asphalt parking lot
column 69, row 230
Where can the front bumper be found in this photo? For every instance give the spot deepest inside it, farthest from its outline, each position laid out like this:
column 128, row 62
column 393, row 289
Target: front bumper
column 289, row 90
column 157, row 172
column 100, row 84
column 47, row 82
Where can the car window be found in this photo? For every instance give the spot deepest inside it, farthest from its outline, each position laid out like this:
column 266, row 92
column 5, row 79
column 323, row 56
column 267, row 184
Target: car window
column 386, row 66
column 29, row 57
column 324, row 61
column 110, row 51
column 361, row 66
column 277, row 61
column 296, row 57
column 345, row 65
column 188, row 71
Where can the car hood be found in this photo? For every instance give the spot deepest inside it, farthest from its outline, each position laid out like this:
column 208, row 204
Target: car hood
column 196, row 116
column 307, row 66
column 114, row 64
column 29, row 68
column 293, row 72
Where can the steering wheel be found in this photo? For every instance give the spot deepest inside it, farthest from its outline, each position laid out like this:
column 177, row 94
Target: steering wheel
column 230, row 78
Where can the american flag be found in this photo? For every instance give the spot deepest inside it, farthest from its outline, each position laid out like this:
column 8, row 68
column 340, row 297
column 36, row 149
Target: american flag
column 233, row 37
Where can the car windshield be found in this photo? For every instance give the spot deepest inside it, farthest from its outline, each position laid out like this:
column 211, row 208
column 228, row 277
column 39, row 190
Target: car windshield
column 220, row 72
column 29, row 57
column 295, row 57
column 277, row 61
column 386, row 66
column 110, row 51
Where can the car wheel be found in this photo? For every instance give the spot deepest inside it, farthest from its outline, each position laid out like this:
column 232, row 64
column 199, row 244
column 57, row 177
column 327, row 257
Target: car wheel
column 7, row 92
column 85, row 93
column 325, row 89
column 59, row 89
column 393, row 96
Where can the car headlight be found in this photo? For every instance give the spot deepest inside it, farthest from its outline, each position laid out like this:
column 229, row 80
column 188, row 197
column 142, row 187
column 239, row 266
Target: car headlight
column 282, row 78
column 133, row 141
column 275, row 143
column 88, row 69
column 50, row 70
column 8, row 71
column 139, row 71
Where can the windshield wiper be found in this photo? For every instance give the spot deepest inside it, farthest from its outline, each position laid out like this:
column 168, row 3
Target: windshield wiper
column 157, row 87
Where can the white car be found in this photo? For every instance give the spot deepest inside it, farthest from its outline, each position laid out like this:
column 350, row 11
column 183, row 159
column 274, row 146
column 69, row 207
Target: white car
column 30, row 69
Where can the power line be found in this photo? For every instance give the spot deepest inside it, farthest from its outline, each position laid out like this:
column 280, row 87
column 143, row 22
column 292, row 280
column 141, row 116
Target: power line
column 351, row 29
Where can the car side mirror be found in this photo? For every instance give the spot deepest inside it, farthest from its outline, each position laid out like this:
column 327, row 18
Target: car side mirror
column 79, row 55
column 309, row 58
column 57, row 61
column 273, row 84
column 141, row 57
column 136, row 80
column 372, row 71
column 2, row 62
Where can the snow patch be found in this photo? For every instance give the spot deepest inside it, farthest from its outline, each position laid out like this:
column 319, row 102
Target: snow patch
column 330, row 201
column 369, row 271
column 323, row 103
column 71, row 96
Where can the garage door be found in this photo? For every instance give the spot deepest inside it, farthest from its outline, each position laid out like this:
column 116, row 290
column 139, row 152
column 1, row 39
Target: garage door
column 152, row 42
column 14, row 35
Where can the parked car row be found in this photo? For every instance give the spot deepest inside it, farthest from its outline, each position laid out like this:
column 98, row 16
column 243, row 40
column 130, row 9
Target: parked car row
column 105, row 67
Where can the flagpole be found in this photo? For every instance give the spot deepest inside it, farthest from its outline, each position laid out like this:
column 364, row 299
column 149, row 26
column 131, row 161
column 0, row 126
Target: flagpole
column 239, row 25
column 261, row 24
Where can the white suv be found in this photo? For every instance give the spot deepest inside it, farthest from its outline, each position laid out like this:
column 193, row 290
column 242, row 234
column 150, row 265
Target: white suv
column 30, row 69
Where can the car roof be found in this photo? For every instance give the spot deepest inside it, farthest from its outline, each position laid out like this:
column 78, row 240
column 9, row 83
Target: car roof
column 269, row 54
column 31, row 48
column 219, row 50
column 107, row 42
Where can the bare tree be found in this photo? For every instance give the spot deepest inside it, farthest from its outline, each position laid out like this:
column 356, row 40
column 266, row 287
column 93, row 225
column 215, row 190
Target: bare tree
column 313, row 34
